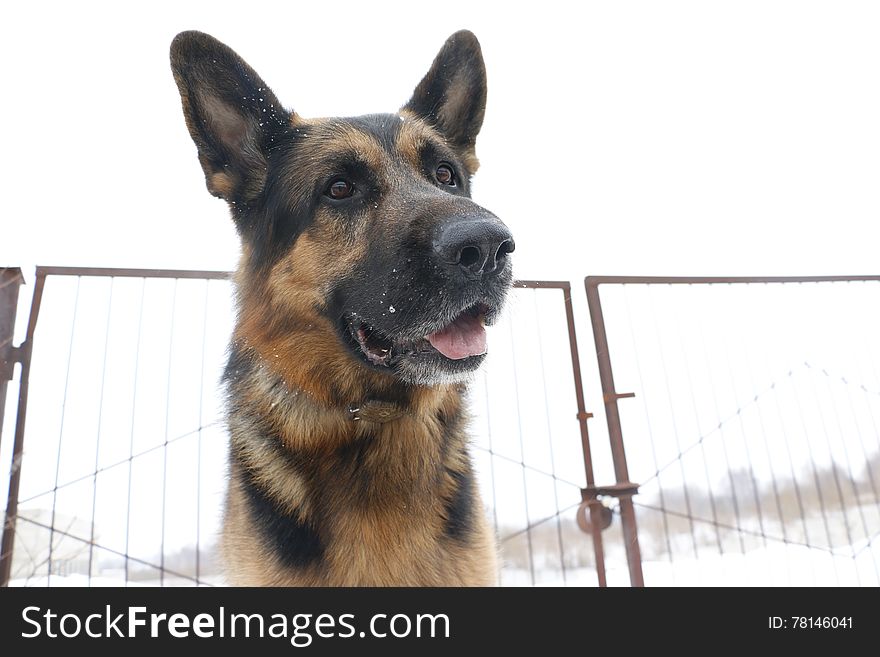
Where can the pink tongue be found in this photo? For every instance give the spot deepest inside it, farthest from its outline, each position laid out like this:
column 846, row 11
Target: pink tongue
column 464, row 337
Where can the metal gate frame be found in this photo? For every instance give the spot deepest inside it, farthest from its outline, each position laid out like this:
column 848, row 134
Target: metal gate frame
column 625, row 489
column 11, row 279
column 592, row 515
column 22, row 354
column 10, row 282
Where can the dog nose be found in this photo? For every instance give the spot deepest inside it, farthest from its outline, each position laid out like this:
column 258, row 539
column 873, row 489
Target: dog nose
column 479, row 247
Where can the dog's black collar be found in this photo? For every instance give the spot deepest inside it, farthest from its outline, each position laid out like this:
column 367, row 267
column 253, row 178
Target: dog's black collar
column 373, row 410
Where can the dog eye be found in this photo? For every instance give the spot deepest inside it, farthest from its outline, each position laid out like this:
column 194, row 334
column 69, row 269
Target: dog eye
column 444, row 175
column 340, row 189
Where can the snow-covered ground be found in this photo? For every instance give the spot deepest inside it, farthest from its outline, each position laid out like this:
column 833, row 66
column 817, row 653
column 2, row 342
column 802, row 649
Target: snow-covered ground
column 778, row 565
column 83, row 580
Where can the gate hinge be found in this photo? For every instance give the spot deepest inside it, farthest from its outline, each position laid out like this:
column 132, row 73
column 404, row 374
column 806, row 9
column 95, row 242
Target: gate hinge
column 9, row 356
column 591, row 504
column 623, row 489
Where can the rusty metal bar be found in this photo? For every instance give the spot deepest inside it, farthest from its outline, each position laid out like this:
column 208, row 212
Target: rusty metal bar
column 596, row 523
column 10, row 282
column 543, row 285
column 25, row 351
column 220, row 275
column 23, row 354
column 615, row 434
column 689, row 280
column 614, row 490
column 131, row 273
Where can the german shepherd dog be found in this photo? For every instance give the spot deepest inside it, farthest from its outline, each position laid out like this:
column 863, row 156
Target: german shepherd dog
column 366, row 278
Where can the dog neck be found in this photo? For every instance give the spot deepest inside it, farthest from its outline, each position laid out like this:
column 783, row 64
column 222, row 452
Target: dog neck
column 257, row 386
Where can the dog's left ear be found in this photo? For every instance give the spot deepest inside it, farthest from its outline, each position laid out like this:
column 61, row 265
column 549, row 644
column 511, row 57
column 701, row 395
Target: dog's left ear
column 452, row 96
column 232, row 115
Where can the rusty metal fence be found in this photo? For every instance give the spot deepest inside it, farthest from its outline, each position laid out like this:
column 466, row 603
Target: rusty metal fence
column 754, row 431
column 745, row 448
column 88, row 448
column 119, row 448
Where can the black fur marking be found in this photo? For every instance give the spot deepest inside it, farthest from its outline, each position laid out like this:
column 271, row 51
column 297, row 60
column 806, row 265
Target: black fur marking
column 273, row 226
column 352, row 465
column 295, row 543
column 238, row 365
column 459, row 508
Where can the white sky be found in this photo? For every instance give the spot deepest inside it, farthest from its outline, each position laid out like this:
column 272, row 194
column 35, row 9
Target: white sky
column 636, row 137
column 620, row 138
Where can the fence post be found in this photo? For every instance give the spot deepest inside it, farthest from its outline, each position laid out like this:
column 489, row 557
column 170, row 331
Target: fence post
column 624, row 489
column 595, row 525
column 10, row 281
column 22, row 355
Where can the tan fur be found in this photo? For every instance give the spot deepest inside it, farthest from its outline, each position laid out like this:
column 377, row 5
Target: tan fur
column 392, row 543
column 220, row 184
column 417, row 129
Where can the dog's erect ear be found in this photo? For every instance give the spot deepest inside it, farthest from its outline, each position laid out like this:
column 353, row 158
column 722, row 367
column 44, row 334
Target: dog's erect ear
column 452, row 96
column 232, row 116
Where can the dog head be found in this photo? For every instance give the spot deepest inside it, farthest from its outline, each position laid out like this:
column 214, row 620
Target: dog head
column 362, row 252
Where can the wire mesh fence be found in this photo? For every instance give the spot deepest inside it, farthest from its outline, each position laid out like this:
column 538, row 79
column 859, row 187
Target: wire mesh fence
column 124, row 420
column 754, row 429
column 754, row 434
column 528, row 445
column 122, row 475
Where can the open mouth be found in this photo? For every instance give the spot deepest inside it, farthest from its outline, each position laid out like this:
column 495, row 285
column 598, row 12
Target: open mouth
column 462, row 338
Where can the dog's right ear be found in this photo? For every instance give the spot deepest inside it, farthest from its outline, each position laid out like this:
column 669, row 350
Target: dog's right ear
column 452, row 96
column 232, row 116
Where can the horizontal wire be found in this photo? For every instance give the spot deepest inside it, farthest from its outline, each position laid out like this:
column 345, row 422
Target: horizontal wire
column 110, row 550
column 718, row 427
column 842, row 379
column 122, row 462
column 752, row 402
column 742, row 530
column 868, row 544
column 527, row 467
column 531, row 526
